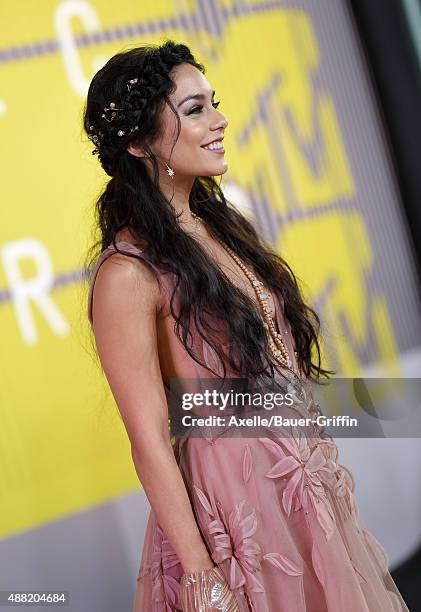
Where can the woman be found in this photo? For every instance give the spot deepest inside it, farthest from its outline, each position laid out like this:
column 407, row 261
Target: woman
column 185, row 289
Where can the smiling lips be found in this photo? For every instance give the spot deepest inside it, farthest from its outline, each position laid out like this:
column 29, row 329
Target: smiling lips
column 216, row 146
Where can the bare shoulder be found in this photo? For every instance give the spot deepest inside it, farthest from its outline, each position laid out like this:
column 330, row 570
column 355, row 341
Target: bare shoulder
column 125, row 285
column 126, row 335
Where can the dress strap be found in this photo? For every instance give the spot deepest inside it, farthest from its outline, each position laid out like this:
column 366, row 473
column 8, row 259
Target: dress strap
column 124, row 247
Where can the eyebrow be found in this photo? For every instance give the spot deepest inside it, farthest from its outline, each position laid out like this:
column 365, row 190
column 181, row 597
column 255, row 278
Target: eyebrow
column 198, row 96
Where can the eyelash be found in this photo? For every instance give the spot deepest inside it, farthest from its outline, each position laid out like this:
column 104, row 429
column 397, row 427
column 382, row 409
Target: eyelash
column 199, row 108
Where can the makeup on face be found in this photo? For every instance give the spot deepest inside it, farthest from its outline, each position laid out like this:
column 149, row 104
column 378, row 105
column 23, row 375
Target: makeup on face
column 215, row 145
column 202, row 126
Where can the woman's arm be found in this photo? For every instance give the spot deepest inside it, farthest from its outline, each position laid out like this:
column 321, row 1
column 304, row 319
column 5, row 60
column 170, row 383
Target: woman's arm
column 124, row 322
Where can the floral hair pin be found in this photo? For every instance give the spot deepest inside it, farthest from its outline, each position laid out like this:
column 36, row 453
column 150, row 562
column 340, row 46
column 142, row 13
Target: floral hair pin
column 130, row 83
column 113, row 109
column 109, row 114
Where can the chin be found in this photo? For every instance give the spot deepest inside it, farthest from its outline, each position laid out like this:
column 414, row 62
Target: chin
column 216, row 171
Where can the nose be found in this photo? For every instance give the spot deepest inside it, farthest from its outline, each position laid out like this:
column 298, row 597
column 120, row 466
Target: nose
column 220, row 121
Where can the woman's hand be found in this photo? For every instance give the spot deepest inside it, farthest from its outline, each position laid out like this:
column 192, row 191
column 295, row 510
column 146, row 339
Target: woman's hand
column 207, row 591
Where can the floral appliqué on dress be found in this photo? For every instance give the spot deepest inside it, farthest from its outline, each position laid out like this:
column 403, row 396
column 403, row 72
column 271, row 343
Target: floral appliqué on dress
column 166, row 589
column 307, row 470
column 233, row 544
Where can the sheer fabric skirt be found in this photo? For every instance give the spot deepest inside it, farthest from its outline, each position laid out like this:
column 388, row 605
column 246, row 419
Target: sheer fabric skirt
column 279, row 518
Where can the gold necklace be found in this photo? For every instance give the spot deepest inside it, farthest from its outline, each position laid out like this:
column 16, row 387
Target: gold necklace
column 276, row 343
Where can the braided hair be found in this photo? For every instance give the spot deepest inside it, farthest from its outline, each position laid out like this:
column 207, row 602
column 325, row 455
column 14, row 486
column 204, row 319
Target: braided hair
column 123, row 107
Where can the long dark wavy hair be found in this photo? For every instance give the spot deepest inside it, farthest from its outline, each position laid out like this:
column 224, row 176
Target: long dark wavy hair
column 138, row 83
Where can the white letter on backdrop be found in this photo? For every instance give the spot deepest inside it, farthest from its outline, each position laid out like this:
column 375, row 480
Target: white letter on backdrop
column 65, row 12
column 36, row 289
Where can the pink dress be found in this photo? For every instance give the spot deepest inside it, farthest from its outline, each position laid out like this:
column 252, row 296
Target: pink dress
column 277, row 514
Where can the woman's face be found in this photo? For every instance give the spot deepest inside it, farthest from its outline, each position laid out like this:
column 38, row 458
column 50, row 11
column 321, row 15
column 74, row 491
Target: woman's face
column 201, row 123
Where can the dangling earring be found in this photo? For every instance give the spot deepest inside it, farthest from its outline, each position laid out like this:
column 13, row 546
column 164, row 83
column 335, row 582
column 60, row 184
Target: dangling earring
column 170, row 171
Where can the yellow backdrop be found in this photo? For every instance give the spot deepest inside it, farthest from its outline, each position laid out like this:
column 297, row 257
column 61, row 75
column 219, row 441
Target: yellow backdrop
column 63, row 447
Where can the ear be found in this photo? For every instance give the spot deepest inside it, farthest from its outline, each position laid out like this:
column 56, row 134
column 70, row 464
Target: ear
column 136, row 151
